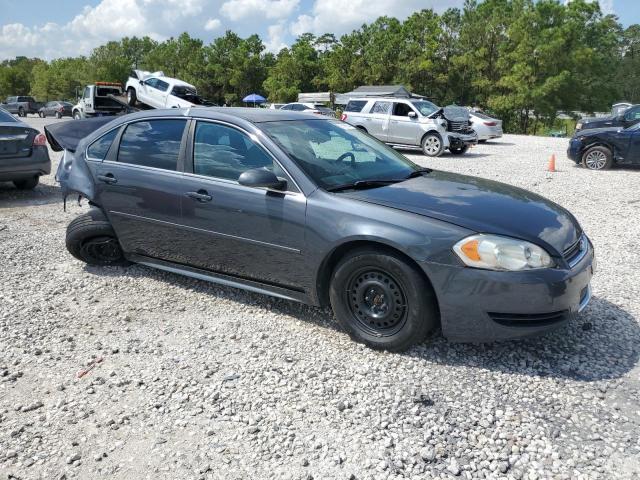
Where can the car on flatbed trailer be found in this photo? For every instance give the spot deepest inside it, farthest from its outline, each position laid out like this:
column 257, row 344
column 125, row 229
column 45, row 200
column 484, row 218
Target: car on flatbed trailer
column 156, row 90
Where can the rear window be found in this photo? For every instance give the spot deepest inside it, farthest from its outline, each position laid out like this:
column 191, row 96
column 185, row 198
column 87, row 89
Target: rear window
column 98, row 149
column 482, row 115
column 6, row 116
column 355, row 105
column 104, row 91
column 152, row 143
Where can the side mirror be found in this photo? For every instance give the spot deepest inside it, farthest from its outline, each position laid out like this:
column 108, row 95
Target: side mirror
column 413, row 115
column 140, row 82
column 261, row 178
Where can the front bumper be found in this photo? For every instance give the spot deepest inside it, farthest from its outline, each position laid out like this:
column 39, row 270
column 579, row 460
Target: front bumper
column 574, row 150
column 482, row 305
column 20, row 168
column 459, row 140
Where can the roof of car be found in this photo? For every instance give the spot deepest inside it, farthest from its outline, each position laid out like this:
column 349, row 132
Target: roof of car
column 253, row 115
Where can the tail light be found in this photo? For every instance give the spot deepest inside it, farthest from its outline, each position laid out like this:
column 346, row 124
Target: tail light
column 343, row 117
column 40, row 140
column 60, row 109
column 490, row 124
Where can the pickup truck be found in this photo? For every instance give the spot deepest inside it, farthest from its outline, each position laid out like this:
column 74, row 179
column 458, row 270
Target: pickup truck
column 620, row 117
column 22, row 105
column 156, row 90
column 98, row 100
column 413, row 124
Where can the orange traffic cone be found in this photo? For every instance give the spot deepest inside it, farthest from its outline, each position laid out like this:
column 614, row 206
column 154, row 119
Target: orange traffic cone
column 552, row 163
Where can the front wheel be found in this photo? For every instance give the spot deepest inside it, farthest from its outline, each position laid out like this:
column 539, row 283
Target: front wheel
column 432, row 145
column 58, row 115
column 77, row 115
column 41, row 114
column 459, row 150
column 91, row 239
column 597, row 158
column 382, row 301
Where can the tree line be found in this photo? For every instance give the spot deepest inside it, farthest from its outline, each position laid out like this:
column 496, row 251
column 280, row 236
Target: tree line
column 523, row 60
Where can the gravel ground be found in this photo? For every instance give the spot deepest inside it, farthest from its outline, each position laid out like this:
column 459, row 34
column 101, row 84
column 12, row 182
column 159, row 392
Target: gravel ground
column 198, row 381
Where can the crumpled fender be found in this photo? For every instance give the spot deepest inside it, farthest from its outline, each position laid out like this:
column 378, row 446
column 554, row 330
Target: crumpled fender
column 74, row 176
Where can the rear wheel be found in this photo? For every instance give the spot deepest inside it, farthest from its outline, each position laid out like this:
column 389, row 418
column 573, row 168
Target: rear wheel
column 597, row 158
column 41, row 114
column 91, row 238
column 382, row 301
column 432, row 145
column 459, row 150
column 58, row 115
column 361, row 128
column 131, row 97
column 27, row 184
column 21, row 112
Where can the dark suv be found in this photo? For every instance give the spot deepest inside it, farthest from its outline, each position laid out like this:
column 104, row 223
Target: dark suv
column 624, row 119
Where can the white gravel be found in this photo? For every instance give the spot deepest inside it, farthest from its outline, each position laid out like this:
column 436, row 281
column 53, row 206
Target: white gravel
column 200, row 381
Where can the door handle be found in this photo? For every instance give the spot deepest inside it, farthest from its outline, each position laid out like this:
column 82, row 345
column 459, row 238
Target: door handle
column 108, row 178
column 200, row 196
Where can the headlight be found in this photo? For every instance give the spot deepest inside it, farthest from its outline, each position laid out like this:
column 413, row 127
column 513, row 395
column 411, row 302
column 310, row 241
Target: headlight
column 494, row 252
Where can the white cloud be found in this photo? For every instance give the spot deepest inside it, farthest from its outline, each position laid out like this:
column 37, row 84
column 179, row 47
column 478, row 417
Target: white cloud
column 606, row 6
column 275, row 38
column 239, row 9
column 340, row 16
column 212, row 24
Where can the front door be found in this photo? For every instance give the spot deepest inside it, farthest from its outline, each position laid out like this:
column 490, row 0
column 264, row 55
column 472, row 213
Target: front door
column 631, row 116
column 403, row 128
column 139, row 186
column 248, row 232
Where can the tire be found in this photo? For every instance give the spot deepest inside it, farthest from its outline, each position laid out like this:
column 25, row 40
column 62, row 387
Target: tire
column 77, row 115
column 361, row 286
column 91, row 239
column 432, row 145
column 597, row 158
column 460, row 150
column 131, row 97
column 58, row 115
column 41, row 114
column 362, row 129
column 28, row 184
column 21, row 112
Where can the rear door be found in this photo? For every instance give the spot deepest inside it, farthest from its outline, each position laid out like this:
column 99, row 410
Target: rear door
column 402, row 128
column 139, row 185
column 379, row 124
column 233, row 229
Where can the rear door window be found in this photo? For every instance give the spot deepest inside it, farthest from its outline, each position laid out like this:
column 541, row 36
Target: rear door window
column 152, row 143
column 381, row 107
column 98, row 149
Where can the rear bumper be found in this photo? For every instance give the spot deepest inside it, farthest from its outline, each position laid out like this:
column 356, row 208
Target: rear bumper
column 483, row 306
column 37, row 164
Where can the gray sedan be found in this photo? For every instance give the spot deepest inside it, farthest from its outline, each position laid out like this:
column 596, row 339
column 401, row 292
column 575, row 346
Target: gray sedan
column 308, row 208
column 24, row 156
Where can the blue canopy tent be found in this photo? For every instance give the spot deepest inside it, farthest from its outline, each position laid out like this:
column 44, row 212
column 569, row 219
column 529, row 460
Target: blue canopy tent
column 254, row 98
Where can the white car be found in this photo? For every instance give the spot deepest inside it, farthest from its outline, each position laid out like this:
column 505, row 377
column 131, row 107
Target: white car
column 309, row 108
column 485, row 126
column 156, row 90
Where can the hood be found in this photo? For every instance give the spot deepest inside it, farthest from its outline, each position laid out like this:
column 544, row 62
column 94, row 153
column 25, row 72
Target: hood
column 483, row 206
column 595, row 131
column 455, row 113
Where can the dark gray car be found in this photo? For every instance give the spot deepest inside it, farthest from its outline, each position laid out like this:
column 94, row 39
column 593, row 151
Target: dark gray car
column 311, row 209
column 24, row 156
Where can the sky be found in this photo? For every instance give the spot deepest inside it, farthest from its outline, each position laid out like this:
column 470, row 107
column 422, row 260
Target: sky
column 60, row 28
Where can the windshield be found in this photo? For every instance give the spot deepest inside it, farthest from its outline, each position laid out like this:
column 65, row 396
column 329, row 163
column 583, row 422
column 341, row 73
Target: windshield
column 335, row 154
column 424, row 107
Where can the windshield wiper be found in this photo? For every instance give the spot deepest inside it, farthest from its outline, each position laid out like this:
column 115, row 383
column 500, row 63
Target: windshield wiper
column 418, row 173
column 362, row 184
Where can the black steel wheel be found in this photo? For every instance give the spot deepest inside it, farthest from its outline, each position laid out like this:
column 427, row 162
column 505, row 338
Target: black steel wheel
column 382, row 300
column 91, row 238
column 377, row 301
